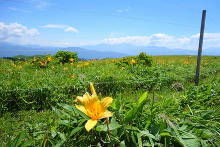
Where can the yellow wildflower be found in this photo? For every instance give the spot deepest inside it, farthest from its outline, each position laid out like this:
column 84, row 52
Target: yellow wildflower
column 14, row 65
column 65, row 69
column 133, row 61
column 72, row 76
column 49, row 58
column 186, row 62
column 42, row 63
column 93, row 107
column 71, row 59
column 86, row 63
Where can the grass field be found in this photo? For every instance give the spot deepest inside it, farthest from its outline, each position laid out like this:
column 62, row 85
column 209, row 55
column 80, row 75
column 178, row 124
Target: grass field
column 37, row 105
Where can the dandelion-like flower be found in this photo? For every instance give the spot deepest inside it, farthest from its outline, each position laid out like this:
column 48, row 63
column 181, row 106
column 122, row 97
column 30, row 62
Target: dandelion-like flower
column 93, row 107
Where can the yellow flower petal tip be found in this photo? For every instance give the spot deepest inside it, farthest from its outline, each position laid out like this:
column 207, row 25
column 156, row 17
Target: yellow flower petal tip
column 92, row 89
column 90, row 124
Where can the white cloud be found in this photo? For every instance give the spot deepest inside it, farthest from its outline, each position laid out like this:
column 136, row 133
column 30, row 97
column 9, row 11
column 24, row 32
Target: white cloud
column 66, row 28
column 71, row 29
column 165, row 40
column 15, row 32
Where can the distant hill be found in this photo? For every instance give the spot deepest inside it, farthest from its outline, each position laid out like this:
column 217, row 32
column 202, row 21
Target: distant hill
column 9, row 50
column 99, row 51
column 151, row 50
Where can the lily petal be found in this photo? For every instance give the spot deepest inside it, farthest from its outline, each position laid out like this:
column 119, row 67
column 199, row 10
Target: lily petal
column 81, row 108
column 106, row 101
column 92, row 89
column 79, row 99
column 86, row 98
column 106, row 114
column 90, row 124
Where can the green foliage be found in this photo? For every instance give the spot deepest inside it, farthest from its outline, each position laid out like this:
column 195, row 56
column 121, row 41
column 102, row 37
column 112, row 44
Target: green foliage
column 136, row 108
column 126, row 61
column 197, row 96
column 66, row 56
column 141, row 59
column 162, row 116
column 144, row 59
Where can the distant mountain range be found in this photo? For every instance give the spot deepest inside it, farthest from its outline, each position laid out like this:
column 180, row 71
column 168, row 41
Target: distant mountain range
column 152, row 50
column 99, row 51
column 8, row 50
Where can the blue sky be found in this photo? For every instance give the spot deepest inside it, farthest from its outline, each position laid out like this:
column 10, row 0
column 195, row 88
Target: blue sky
column 169, row 23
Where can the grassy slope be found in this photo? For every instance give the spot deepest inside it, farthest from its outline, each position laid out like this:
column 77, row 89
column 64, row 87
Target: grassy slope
column 57, row 75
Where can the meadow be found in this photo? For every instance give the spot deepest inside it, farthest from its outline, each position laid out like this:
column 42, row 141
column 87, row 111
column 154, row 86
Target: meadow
column 154, row 104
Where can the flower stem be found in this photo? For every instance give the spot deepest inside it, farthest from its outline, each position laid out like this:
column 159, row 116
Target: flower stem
column 108, row 130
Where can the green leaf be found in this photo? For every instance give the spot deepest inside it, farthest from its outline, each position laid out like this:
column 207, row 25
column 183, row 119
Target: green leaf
column 63, row 139
column 190, row 140
column 73, row 109
column 28, row 143
column 128, row 127
column 62, row 136
column 75, row 130
column 165, row 134
column 112, row 126
column 139, row 140
column 136, row 108
column 148, row 134
column 66, row 107
column 17, row 141
column 122, row 144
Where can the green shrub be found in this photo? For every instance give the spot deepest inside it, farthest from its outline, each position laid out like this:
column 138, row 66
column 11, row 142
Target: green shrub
column 144, row 59
column 141, row 59
column 66, row 56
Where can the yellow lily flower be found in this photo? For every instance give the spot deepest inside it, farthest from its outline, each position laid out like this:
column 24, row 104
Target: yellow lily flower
column 133, row 61
column 93, row 107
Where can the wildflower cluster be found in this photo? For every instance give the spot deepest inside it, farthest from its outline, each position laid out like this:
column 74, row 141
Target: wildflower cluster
column 41, row 62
